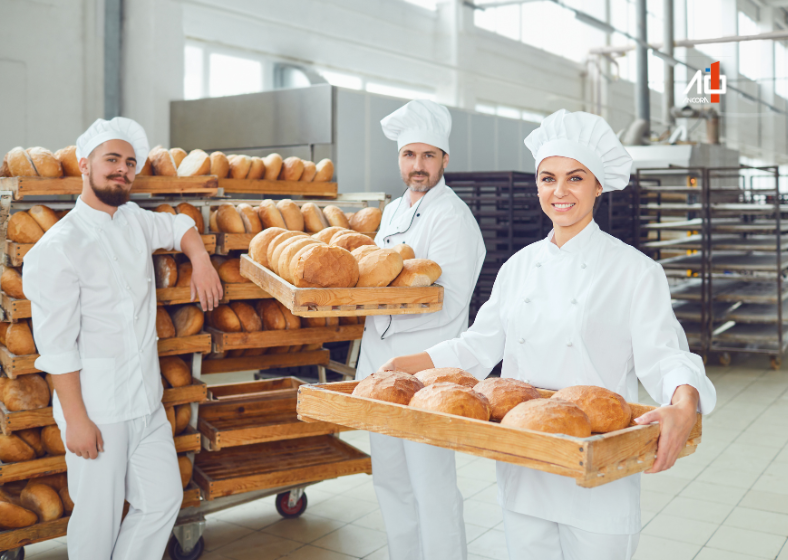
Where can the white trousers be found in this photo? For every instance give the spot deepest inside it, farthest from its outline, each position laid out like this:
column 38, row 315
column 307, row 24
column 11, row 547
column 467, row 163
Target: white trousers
column 532, row 538
column 416, row 485
column 139, row 464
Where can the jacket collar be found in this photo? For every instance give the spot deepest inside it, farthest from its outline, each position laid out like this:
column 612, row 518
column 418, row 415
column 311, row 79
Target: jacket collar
column 402, row 217
column 578, row 245
column 95, row 217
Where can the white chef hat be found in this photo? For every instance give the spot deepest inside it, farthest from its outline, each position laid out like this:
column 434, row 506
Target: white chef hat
column 119, row 128
column 586, row 138
column 419, row 120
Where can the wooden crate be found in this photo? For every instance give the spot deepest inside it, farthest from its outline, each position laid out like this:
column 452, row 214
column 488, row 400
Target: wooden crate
column 277, row 464
column 591, row 461
column 191, row 496
column 208, row 239
column 21, row 187
column 14, row 309
column 14, row 365
column 223, row 341
column 256, row 412
column 343, row 302
column 22, row 470
column 199, row 343
column 196, row 392
column 188, row 440
column 174, row 296
column 262, row 188
column 23, row 419
column 267, row 361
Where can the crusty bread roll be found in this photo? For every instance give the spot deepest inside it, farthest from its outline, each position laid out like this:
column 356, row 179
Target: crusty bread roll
column 175, row 371
column 314, row 220
column 323, row 266
column 292, row 169
column 183, row 415
column 165, row 209
column 607, row 411
column 549, row 415
column 13, row 516
column 68, row 161
column 378, row 268
column 22, row 228
column 5, row 171
column 319, row 322
column 53, row 442
column 405, row 250
column 188, row 320
column 224, row 319
column 170, row 412
column 193, row 213
column 65, row 497
column 250, row 218
column 351, row 240
column 417, row 273
column 19, row 339
column 185, row 467
column 45, row 162
column 325, row 235
column 219, row 165
column 258, row 246
column 14, row 449
column 32, row 437
column 275, row 242
column 43, row 501
column 228, row 219
column 289, row 251
column 184, row 275
column 366, row 220
column 217, row 261
column 162, row 162
column 504, row 394
column 273, row 164
column 256, row 169
column 3, row 380
column 54, row 481
column 452, row 399
column 239, row 166
column 390, row 386
column 178, row 155
column 230, row 272
column 269, row 215
column 250, row 320
column 361, row 252
column 11, row 283
column 213, row 224
column 164, row 325
column 271, row 315
column 277, row 252
column 20, row 164
column 195, row 164
column 147, row 169
column 26, row 392
column 447, row 375
column 335, row 216
column 325, row 171
column 166, row 271
column 310, row 170
column 291, row 214
column 291, row 321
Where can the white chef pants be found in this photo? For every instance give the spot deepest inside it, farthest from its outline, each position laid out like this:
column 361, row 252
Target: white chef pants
column 532, row 538
column 416, row 485
column 139, row 464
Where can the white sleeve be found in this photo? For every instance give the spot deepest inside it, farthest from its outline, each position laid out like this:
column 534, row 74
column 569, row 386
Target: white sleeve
column 52, row 286
column 663, row 361
column 163, row 230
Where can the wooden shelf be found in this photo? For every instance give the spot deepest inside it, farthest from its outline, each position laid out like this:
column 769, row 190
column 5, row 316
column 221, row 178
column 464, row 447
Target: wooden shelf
column 14, row 365
column 174, row 296
column 223, row 342
column 269, row 361
column 199, row 343
column 14, row 309
column 226, row 242
column 196, row 392
column 205, row 185
column 22, row 470
column 208, row 239
column 191, row 496
column 291, row 188
column 23, row 419
column 188, row 440
column 234, row 292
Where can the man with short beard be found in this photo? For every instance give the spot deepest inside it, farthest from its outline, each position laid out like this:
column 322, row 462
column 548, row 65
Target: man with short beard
column 90, row 282
column 416, row 484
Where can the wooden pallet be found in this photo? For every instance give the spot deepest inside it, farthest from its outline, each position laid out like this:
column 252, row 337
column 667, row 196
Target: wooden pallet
column 276, row 464
column 223, row 341
column 22, row 470
column 21, row 187
column 268, row 361
column 290, row 188
column 188, row 440
column 343, row 302
column 14, row 365
column 14, row 309
column 199, row 343
column 196, row 392
column 23, row 419
column 591, row 461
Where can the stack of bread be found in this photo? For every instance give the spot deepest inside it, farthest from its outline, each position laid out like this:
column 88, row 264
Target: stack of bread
column 184, row 208
column 179, row 321
column 29, row 226
column 18, row 338
column 37, row 500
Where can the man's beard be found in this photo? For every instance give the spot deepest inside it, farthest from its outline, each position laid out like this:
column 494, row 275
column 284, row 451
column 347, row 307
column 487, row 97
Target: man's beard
column 111, row 195
column 425, row 186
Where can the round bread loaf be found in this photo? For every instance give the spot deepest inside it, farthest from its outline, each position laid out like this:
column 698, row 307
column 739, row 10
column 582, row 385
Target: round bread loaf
column 45, row 162
column 314, row 220
column 288, row 251
column 271, row 315
column 257, row 169
column 504, row 394
column 239, row 166
column 228, row 219
column 19, row 339
column 291, row 214
column 53, row 442
column 452, row 399
column 65, row 497
column 292, row 169
column 54, row 481
column 175, row 371
column 162, row 162
column 20, row 164
column 310, row 170
column 607, row 411
column 164, row 326
column 14, row 449
column 197, row 163
column 318, row 322
column 390, row 386
column 549, row 415
column 361, row 252
column 258, row 246
column 291, row 321
column 224, row 319
column 325, row 235
column 26, row 392
column 351, row 240
column 184, row 275
column 32, row 437
column 335, row 216
column 68, row 161
column 378, row 268
column 447, row 375
column 323, row 266
column 213, row 224
column 230, row 272
column 44, row 216
column 418, row 273
column 220, row 166
column 270, row 216
column 22, row 228
column 405, row 250
column 273, row 164
column 185, row 467
column 11, row 283
column 4, row 169
column 250, row 218
column 217, row 261
column 166, row 270
column 170, row 412
column 165, row 209
column 188, row 320
column 250, row 320
column 43, row 501
column 272, row 255
column 4, row 380
column 324, row 171
column 366, row 220
column 194, row 214
column 147, row 169
column 14, row 516
column 183, row 415
column 178, row 155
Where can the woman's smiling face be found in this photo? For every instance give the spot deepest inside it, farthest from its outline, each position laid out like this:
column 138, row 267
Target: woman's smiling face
column 567, row 191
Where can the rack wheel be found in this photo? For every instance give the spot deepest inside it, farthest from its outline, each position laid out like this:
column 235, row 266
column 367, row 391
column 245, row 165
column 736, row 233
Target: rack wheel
column 13, row 554
column 177, row 553
column 775, row 362
column 725, row 359
column 283, row 505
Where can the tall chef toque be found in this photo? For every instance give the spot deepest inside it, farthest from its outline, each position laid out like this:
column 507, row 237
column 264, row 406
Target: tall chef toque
column 586, row 138
column 420, row 121
column 119, row 128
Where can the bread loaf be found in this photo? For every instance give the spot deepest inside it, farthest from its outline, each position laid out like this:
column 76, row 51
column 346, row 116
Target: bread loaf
column 273, row 164
column 11, row 283
column 390, row 386
column 291, row 321
column 54, row 481
column 53, row 442
column 239, row 166
column 335, row 216
column 13, row 449
column 184, row 275
column 3, row 380
column 44, row 216
column 256, row 169
column 224, row 319
column 219, row 165
column 447, row 375
column 183, row 415
column 32, row 437
column 20, row 164
column 213, row 225
column 170, row 412
column 5, row 171
column 250, row 218
column 325, row 171
column 230, row 272
column 166, row 270
column 19, row 339
column 175, row 371
column 291, row 214
column 452, row 399
column 26, row 392
column 361, row 252
column 194, row 214
column 351, row 240
column 68, row 161
column 325, row 235
column 258, row 246
column 147, row 169
column 273, row 261
column 162, row 162
column 504, row 394
column 13, row 516
column 417, row 273
column 292, row 169
column 270, row 312
column 275, row 242
column 366, row 220
column 549, row 415
column 65, row 497
column 405, row 250
column 188, row 320
column 288, row 253
column 607, row 411
column 314, row 220
column 195, row 164
column 165, row 209
column 250, row 320
column 217, row 261
column 185, row 467
column 319, row 322
column 43, row 501
column 45, row 162
column 269, row 215
column 310, row 170
column 378, row 268
column 229, row 220
column 164, row 326
column 22, row 228
column 323, row 266
column 178, row 155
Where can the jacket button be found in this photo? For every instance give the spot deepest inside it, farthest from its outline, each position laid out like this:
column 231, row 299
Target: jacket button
column 128, row 287
column 418, row 215
column 569, row 343
column 574, row 301
column 521, row 341
column 526, row 300
column 538, row 265
column 388, row 240
column 583, row 265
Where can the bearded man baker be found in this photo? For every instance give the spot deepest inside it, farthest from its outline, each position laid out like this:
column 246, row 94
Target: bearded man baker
column 90, row 281
column 416, row 484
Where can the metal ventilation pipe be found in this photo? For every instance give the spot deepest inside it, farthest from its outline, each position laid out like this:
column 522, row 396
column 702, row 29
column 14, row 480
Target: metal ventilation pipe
column 668, row 97
column 642, row 104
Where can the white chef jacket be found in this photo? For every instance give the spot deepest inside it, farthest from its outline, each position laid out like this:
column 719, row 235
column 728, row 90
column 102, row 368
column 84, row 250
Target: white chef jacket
column 91, row 286
column 594, row 312
column 439, row 227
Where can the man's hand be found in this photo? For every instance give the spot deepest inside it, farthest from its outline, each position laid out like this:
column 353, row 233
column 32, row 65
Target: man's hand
column 413, row 363
column 83, row 438
column 205, row 283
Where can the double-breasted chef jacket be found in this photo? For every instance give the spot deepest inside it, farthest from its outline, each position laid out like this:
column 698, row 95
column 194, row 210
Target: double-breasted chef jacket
column 593, row 312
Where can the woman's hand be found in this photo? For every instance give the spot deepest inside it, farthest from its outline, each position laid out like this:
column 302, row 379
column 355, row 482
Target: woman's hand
column 675, row 424
column 413, row 363
column 205, row 283
column 83, row 438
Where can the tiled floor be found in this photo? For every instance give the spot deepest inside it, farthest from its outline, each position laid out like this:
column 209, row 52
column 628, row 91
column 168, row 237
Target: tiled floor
column 728, row 501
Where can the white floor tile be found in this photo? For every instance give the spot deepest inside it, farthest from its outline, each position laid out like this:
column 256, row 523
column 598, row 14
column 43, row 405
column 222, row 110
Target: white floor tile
column 765, row 500
column 657, row 548
column 344, row 509
column 219, row 533
column 758, row 520
column 353, row 541
column 680, row 529
column 309, row 552
column 372, row 520
column 482, row 513
column 717, row 554
column 491, row 544
column 700, row 510
column 664, row 483
column 304, row 529
column 744, row 541
column 713, row 492
column 258, row 546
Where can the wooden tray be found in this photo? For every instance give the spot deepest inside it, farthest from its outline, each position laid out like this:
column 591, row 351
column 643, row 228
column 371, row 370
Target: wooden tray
column 196, row 392
column 10, row 472
column 591, row 461
column 23, row 419
column 199, row 343
column 14, row 365
column 223, row 341
column 14, row 309
column 205, row 185
column 343, row 302
column 188, row 440
column 293, row 188
column 269, row 361
column 276, row 464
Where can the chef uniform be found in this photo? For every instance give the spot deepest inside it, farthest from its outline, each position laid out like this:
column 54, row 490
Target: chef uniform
column 416, row 484
column 90, row 281
column 593, row 312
